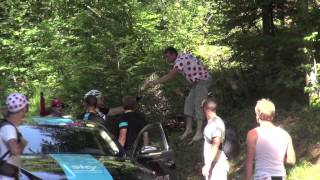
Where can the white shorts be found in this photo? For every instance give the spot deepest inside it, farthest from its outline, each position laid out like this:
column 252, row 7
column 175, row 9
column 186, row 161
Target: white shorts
column 219, row 171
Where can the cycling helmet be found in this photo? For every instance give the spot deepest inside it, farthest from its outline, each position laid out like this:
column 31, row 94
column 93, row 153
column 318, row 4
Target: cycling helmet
column 93, row 92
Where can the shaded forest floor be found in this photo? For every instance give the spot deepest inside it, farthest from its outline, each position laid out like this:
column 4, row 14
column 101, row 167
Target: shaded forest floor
column 304, row 127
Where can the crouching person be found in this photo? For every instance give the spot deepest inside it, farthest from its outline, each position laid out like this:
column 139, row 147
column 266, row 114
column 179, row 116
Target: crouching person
column 216, row 165
column 11, row 141
column 268, row 146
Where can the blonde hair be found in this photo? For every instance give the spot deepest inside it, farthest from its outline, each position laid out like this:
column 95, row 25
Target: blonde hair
column 265, row 109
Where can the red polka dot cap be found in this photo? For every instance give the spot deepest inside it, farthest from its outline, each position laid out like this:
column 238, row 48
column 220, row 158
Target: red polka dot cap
column 16, row 101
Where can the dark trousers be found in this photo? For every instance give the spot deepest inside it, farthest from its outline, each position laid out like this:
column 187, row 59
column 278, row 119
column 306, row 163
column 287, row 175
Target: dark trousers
column 277, row 178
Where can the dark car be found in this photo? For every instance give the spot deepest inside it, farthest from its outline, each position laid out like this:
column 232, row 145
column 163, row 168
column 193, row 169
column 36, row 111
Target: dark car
column 67, row 149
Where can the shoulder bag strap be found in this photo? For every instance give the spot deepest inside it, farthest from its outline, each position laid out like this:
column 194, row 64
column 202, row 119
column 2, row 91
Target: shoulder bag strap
column 5, row 154
column 18, row 136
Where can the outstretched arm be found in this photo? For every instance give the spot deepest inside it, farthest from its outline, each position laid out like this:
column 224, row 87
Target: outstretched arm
column 171, row 74
column 115, row 111
column 42, row 105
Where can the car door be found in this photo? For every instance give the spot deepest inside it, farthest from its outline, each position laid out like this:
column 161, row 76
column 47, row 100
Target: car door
column 151, row 150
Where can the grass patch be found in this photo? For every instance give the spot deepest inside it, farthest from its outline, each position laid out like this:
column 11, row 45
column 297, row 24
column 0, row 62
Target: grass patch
column 304, row 171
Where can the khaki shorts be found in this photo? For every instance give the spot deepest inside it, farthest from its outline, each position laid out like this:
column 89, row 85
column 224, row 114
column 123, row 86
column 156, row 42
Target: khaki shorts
column 192, row 104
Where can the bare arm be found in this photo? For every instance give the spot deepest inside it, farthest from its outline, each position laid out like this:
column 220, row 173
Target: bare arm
column 115, row 111
column 290, row 154
column 251, row 152
column 214, row 148
column 122, row 136
column 14, row 147
column 171, row 74
column 213, row 155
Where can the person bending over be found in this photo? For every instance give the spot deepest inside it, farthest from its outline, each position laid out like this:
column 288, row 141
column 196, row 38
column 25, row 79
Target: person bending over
column 198, row 77
column 268, row 146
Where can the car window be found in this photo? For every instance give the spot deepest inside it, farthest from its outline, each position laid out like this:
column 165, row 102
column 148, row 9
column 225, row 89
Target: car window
column 151, row 140
column 64, row 139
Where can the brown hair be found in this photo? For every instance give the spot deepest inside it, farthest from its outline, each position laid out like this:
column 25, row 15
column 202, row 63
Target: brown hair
column 129, row 103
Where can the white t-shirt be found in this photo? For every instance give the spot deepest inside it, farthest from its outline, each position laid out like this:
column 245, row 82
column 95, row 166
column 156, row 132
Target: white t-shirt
column 7, row 132
column 214, row 128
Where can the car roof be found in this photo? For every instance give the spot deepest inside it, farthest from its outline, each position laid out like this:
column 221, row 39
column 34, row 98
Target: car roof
column 59, row 121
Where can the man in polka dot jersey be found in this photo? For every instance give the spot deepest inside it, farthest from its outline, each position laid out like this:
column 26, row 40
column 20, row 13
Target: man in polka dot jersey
column 197, row 75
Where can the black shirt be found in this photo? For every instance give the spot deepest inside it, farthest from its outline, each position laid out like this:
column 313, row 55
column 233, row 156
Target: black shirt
column 104, row 110
column 133, row 122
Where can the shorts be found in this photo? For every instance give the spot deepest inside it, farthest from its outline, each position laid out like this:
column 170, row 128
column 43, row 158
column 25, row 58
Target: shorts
column 271, row 178
column 192, row 104
column 219, row 171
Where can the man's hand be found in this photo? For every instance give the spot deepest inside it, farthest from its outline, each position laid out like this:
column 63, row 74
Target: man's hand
column 206, row 170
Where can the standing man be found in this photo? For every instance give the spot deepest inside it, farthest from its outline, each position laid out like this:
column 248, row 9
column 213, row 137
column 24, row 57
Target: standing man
column 101, row 110
column 197, row 75
column 11, row 141
column 271, row 150
column 216, row 164
column 90, row 114
column 130, row 124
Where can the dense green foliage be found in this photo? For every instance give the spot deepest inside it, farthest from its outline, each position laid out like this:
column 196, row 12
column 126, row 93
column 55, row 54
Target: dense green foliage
column 65, row 48
column 253, row 48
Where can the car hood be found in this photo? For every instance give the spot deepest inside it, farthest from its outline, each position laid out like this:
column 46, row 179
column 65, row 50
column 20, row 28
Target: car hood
column 82, row 166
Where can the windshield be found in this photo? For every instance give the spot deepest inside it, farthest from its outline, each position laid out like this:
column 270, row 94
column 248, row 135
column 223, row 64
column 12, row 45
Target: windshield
column 64, row 139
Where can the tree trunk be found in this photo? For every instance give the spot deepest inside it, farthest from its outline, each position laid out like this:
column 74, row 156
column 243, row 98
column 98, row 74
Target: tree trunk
column 267, row 18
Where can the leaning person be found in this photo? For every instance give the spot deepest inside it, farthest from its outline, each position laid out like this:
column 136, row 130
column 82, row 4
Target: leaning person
column 199, row 78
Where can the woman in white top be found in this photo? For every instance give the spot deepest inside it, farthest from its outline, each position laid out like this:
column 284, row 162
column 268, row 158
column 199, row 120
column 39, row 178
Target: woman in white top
column 268, row 146
column 11, row 143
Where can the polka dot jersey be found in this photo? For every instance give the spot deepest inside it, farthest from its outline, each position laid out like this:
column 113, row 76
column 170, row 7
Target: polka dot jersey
column 191, row 68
